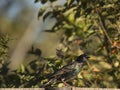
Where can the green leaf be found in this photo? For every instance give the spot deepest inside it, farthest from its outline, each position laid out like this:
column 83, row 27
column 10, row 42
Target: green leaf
column 69, row 2
column 22, row 68
column 42, row 10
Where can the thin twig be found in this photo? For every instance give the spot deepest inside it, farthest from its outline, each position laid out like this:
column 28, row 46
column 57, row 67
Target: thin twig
column 102, row 23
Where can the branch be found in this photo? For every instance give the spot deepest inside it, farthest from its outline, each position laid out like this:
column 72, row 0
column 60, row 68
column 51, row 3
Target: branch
column 102, row 23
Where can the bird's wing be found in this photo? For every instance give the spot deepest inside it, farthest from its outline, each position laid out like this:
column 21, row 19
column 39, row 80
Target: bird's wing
column 66, row 69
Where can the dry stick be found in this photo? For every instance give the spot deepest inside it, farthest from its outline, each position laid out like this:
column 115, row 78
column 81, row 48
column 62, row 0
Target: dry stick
column 102, row 23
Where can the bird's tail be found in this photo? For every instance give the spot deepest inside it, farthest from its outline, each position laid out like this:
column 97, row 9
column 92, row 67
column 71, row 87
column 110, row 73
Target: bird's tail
column 48, row 83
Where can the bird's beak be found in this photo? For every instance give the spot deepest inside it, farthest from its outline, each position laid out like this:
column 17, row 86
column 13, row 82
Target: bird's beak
column 92, row 57
column 87, row 57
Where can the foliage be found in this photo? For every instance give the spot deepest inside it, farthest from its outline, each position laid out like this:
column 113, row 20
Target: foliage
column 3, row 56
column 92, row 26
column 95, row 23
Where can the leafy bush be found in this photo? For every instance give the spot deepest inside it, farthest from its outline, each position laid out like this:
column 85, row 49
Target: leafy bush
column 3, row 56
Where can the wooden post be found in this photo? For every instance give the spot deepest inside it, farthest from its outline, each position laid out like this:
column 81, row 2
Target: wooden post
column 56, row 88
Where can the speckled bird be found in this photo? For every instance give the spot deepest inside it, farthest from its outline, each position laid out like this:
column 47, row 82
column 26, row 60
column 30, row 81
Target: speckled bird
column 68, row 72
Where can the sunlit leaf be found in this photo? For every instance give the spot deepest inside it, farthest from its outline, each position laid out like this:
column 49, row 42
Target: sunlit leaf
column 41, row 11
column 22, row 68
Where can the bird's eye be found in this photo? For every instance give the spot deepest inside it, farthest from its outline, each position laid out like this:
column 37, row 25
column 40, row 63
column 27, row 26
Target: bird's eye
column 87, row 57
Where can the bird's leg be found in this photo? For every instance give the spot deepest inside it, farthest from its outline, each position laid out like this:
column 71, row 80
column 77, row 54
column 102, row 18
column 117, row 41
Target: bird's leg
column 66, row 84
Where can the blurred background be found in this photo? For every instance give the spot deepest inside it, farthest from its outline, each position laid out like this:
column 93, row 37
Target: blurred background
column 16, row 15
column 20, row 22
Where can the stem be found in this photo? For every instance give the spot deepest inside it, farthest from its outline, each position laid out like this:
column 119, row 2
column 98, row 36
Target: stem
column 102, row 23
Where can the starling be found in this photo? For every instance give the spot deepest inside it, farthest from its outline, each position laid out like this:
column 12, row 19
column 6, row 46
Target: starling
column 68, row 72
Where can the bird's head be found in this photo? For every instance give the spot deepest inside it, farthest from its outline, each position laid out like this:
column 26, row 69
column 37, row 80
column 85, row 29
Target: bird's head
column 82, row 58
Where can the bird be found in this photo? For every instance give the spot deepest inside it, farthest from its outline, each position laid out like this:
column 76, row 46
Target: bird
column 67, row 72
column 36, row 52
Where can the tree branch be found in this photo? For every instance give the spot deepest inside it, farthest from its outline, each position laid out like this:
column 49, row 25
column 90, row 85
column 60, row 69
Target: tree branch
column 102, row 23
